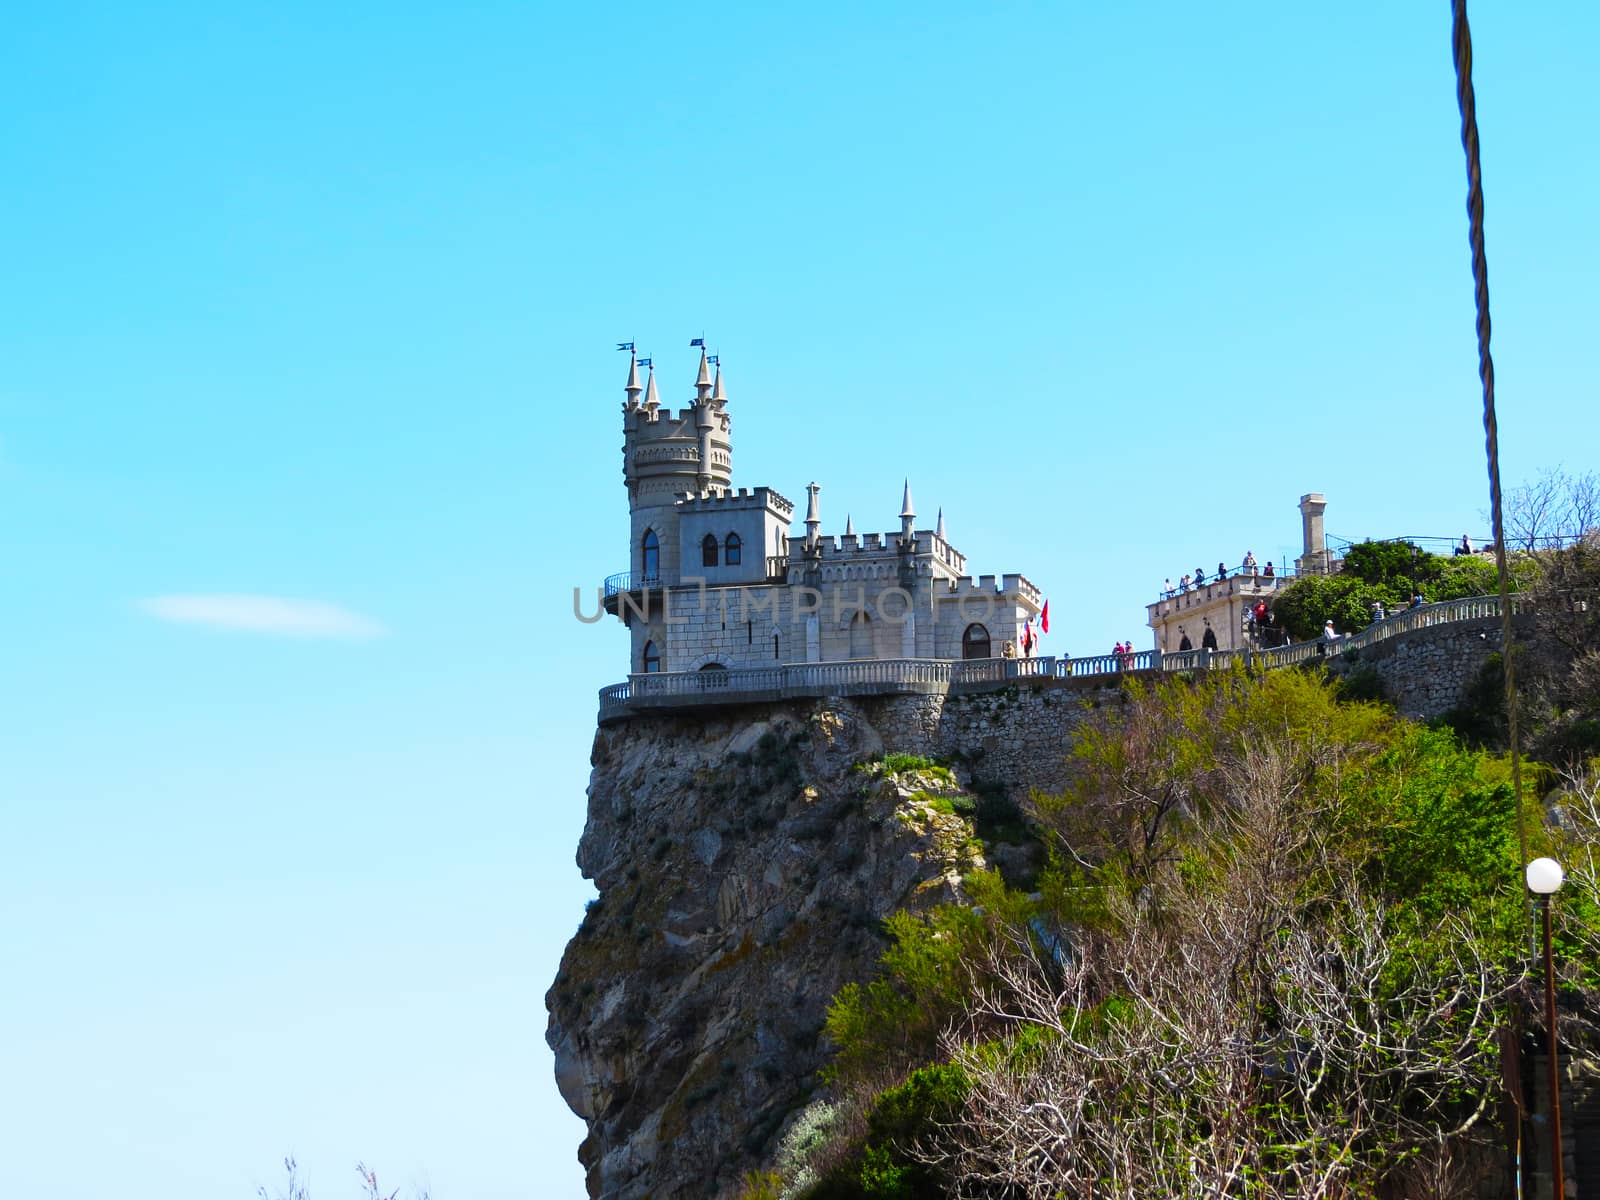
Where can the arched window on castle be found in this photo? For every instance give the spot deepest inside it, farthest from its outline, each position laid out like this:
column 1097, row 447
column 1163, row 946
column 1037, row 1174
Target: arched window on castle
column 733, row 550
column 1209, row 641
column 708, row 550
column 975, row 641
column 652, row 659
column 650, row 565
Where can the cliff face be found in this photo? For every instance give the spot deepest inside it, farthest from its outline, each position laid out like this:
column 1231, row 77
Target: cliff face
column 744, row 865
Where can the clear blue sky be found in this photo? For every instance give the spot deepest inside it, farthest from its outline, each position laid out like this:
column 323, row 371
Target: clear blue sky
column 316, row 303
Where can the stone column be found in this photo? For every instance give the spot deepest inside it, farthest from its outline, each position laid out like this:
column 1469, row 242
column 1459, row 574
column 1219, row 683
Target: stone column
column 1313, row 559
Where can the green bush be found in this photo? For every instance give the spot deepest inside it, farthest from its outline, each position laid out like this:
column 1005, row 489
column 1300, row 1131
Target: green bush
column 883, row 1178
column 897, row 764
column 761, row 1185
column 954, row 806
column 929, row 1097
column 1400, row 566
column 1346, row 600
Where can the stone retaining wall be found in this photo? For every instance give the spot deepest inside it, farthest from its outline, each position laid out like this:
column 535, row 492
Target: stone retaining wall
column 1426, row 673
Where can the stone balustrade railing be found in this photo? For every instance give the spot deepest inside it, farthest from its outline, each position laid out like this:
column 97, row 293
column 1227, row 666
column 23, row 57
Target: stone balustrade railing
column 908, row 676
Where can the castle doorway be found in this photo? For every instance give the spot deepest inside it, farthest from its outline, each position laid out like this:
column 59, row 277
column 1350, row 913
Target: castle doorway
column 1209, row 642
column 975, row 642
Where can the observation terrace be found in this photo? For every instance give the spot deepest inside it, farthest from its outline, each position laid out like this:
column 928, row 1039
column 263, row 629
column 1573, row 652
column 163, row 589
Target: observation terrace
column 669, row 691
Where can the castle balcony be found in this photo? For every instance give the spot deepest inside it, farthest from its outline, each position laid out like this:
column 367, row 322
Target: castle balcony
column 642, row 591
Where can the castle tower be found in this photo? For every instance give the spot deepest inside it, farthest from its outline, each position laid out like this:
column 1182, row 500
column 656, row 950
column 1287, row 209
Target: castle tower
column 667, row 457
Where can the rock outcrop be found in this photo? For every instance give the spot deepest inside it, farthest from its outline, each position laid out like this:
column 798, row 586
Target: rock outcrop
column 744, row 864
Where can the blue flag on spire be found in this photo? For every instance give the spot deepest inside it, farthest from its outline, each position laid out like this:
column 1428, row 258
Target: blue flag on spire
column 625, row 346
column 701, row 342
column 645, row 362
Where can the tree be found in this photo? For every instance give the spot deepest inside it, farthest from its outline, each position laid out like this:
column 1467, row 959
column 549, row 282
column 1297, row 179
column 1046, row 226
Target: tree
column 1346, row 600
column 1561, row 685
column 1271, row 959
column 1552, row 510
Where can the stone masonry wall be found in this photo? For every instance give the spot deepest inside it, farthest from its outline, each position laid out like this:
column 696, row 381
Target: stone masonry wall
column 1426, row 673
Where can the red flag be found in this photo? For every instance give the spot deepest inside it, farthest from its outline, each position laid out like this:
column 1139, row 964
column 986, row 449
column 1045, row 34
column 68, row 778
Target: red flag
column 1044, row 618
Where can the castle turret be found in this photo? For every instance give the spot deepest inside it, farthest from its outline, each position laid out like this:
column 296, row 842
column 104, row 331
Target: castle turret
column 668, row 457
column 706, row 412
column 908, row 515
column 702, row 383
column 632, row 387
column 813, row 516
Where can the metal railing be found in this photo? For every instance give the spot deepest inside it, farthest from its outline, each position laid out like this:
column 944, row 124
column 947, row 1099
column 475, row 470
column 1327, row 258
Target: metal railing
column 1257, row 574
column 628, row 581
column 902, row 676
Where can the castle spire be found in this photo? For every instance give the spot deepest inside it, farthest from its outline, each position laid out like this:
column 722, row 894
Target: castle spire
column 632, row 388
column 939, row 529
column 813, row 518
column 702, row 383
column 849, row 526
column 652, row 400
column 718, row 396
column 908, row 514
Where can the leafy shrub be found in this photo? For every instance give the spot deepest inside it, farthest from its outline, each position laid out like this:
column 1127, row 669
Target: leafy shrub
column 900, row 764
column 929, row 1097
column 1401, row 566
column 761, row 1185
column 1361, row 684
column 883, row 1178
column 1346, row 600
column 952, row 806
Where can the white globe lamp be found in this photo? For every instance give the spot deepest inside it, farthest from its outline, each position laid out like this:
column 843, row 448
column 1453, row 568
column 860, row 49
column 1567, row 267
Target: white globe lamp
column 1544, row 876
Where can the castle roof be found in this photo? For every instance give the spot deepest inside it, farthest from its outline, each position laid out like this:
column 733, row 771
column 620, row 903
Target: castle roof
column 632, row 387
column 702, row 381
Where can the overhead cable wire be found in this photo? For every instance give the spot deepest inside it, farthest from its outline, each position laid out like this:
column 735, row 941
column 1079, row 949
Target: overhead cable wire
column 1461, row 38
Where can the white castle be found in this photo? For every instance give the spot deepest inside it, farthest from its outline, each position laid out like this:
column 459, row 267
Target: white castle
column 716, row 580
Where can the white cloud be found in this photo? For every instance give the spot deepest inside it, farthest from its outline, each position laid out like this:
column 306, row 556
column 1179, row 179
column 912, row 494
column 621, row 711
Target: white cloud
column 264, row 614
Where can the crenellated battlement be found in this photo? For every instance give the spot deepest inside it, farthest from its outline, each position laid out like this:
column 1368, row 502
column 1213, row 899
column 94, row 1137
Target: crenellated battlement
column 744, row 498
column 664, row 418
column 854, row 544
column 653, row 423
column 984, row 585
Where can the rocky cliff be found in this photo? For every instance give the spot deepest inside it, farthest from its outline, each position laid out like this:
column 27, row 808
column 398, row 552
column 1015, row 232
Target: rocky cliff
column 745, row 860
column 744, row 865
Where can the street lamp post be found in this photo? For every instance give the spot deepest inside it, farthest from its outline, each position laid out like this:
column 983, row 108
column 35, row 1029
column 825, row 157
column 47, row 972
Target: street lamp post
column 1544, row 876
